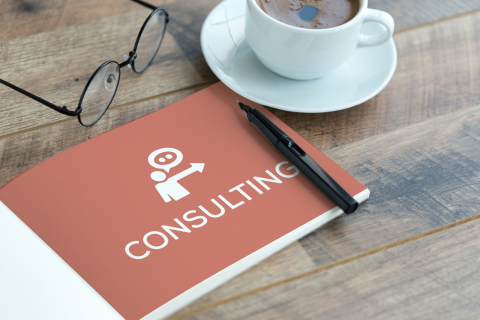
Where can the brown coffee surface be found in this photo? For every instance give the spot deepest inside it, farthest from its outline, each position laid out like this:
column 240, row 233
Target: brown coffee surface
column 331, row 13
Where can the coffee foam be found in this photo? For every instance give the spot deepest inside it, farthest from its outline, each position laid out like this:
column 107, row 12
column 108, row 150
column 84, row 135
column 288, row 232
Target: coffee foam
column 330, row 13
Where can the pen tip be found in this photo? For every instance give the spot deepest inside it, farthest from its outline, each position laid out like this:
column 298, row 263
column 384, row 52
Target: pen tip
column 245, row 108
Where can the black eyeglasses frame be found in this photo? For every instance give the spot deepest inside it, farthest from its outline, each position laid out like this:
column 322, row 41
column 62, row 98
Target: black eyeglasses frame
column 129, row 61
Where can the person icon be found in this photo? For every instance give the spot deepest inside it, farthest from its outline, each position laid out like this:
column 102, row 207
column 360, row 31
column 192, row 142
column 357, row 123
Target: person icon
column 171, row 189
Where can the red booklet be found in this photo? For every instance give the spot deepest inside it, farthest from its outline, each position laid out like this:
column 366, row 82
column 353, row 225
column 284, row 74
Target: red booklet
column 157, row 212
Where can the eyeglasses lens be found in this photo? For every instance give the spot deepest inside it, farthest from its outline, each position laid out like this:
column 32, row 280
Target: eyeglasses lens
column 100, row 93
column 150, row 41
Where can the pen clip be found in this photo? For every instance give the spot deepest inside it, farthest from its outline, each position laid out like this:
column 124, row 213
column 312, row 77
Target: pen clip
column 296, row 149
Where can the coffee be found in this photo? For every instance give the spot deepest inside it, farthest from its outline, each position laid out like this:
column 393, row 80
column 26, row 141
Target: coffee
column 311, row 14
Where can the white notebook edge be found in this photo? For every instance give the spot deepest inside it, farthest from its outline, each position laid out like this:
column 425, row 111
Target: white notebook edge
column 36, row 283
column 246, row 263
column 39, row 284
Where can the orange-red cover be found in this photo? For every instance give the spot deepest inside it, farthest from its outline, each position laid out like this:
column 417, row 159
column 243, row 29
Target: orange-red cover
column 108, row 205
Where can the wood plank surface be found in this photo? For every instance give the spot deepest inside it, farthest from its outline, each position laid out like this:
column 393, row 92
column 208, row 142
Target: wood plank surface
column 434, row 277
column 437, row 72
column 411, row 13
column 20, row 152
column 75, row 51
column 417, row 184
column 431, row 79
column 27, row 60
column 23, row 18
column 419, row 180
column 26, row 150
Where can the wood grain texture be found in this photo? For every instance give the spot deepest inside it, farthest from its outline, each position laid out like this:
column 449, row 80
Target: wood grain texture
column 431, row 79
column 408, row 14
column 435, row 277
column 419, row 180
column 186, row 34
column 21, row 152
column 21, row 18
column 437, row 72
column 50, row 63
column 186, row 30
column 34, row 64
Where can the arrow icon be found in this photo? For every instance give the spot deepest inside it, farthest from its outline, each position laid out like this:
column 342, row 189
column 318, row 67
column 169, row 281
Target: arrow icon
column 195, row 167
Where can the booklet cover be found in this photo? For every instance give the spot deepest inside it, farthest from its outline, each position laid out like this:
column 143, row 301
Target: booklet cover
column 163, row 209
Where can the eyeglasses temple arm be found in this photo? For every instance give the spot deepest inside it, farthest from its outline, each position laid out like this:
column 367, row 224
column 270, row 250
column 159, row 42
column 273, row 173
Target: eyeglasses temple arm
column 148, row 5
column 62, row 110
column 151, row 6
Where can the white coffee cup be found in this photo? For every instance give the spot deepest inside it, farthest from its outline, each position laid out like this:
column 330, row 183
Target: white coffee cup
column 305, row 54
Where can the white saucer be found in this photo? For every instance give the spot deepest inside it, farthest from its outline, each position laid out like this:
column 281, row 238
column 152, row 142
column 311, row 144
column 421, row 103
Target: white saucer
column 234, row 63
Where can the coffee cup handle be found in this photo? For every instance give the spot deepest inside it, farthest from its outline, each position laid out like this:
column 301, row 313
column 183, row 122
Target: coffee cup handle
column 384, row 19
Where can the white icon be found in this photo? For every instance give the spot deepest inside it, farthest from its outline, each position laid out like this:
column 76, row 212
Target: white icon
column 169, row 151
column 170, row 188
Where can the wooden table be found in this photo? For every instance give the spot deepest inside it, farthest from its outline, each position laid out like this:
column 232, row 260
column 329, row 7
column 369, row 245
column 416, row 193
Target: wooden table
column 412, row 251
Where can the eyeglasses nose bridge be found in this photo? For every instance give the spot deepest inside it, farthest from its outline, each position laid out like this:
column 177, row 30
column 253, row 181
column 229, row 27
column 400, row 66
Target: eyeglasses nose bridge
column 129, row 60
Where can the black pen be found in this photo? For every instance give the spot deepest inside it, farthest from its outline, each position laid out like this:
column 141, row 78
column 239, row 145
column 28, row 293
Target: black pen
column 301, row 159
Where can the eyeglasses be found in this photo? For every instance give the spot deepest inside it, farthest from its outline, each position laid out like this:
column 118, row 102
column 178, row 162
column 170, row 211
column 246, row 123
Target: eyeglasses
column 102, row 85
